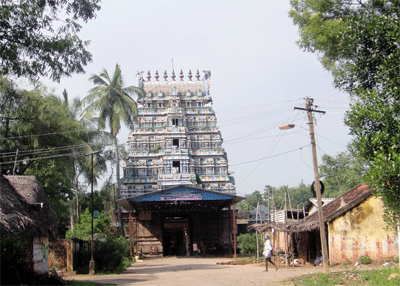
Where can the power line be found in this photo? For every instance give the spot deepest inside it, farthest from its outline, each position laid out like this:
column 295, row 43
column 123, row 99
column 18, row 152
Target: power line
column 267, row 104
column 45, row 134
column 55, row 149
column 41, row 158
column 269, row 157
column 233, row 141
column 35, row 151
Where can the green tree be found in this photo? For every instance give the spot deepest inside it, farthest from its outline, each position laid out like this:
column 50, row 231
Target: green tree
column 102, row 200
column 114, row 104
column 299, row 195
column 83, row 229
column 358, row 42
column 342, row 172
column 293, row 197
column 82, row 163
column 250, row 202
column 40, row 37
column 39, row 137
column 247, row 243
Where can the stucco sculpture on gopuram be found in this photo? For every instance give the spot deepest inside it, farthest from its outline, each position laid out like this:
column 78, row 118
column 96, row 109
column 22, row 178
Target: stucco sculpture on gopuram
column 175, row 140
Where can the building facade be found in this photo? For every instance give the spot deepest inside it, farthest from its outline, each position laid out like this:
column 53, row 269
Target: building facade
column 177, row 187
column 176, row 140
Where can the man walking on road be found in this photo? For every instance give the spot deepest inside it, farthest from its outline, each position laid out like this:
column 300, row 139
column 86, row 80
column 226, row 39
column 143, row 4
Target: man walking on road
column 268, row 252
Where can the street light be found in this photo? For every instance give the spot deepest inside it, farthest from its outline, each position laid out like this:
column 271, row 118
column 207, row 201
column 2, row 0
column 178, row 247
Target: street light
column 286, row 126
column 91, row 262
column 324, row 244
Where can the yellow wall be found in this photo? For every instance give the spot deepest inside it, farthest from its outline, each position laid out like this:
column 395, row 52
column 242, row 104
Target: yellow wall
column 362, row 231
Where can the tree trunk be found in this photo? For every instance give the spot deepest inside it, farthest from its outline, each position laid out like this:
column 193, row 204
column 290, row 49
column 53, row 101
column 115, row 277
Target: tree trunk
column 121, row 227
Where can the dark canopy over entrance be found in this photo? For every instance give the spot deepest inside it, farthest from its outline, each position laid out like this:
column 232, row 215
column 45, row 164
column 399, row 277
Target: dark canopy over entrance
column 180, row 198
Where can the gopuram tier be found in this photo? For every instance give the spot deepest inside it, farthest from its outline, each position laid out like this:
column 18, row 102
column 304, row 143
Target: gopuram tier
column 175, row 140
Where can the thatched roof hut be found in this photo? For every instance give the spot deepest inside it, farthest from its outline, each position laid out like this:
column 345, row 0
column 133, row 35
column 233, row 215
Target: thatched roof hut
column 24, row 208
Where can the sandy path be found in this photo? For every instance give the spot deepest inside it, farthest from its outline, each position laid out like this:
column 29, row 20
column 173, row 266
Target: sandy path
column 197, row 271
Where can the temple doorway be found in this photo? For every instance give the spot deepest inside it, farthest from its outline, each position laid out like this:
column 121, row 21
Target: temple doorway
column 176, row 236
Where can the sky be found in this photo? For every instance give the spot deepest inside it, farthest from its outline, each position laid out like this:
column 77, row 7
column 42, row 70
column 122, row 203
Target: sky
column 258, row 75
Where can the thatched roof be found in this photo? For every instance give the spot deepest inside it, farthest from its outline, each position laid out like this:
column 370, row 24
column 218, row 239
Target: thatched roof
column 290, row 226
column 330, row 210
column 24, row 208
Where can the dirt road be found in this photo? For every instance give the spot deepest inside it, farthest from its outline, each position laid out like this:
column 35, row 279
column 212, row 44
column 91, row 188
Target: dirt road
column 197, row 271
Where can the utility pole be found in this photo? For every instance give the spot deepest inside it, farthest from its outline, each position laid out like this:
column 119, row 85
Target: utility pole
column 234, row 230
column 324, row 245
column 91, row 262
column 258, row 215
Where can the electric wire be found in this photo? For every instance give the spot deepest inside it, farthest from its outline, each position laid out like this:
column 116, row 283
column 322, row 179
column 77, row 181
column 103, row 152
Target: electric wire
column 269, row 157
column 35, row 151
column 267, row 104
column 256, row 167
column 46, row 134
column 53, row 149
column 41, row 158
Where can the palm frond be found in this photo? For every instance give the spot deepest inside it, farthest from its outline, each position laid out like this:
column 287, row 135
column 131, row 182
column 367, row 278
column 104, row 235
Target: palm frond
column 134, row 90
column 117, row 81
column 112, row 101
column 98, row 79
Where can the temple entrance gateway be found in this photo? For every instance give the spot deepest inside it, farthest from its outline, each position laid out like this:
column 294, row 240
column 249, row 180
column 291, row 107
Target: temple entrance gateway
column 170, row 221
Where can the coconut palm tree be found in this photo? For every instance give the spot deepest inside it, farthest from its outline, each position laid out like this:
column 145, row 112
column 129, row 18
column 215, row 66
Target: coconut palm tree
column 114, row 104
column 82, row 163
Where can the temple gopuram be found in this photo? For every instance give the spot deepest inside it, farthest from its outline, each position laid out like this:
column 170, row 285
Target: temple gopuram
column 177, row 187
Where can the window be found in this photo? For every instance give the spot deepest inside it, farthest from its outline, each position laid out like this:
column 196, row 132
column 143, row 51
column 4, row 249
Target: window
column 175, row 122
column 177, row 166
column 175, row 142
column 199, row 104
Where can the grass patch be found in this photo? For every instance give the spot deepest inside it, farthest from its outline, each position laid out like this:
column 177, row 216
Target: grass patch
column 386, row 276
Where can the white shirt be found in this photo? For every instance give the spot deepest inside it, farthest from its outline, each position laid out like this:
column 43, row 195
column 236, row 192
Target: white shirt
column 267, row 245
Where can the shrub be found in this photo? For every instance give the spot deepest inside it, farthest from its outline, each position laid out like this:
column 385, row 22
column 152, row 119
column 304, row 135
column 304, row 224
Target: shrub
column 83, row 229
column 15, row 268
column 13, row 259
column 248, row 244
column 365, row 259
column 109, row 255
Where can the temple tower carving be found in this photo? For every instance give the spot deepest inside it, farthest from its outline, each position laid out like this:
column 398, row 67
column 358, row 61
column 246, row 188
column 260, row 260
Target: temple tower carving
column 176, row 140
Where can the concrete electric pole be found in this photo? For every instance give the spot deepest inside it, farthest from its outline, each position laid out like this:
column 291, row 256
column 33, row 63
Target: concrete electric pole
column 324, row 244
